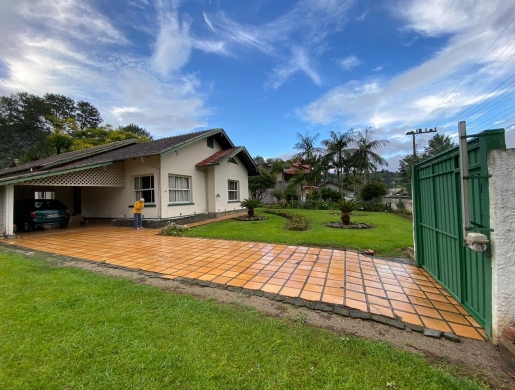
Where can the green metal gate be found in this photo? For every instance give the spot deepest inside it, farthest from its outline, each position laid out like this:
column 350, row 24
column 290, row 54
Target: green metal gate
column 465, row 274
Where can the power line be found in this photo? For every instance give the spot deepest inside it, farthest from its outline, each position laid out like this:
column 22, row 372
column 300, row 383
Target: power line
column 470, row 70
column 482, row 73
column 495, row 116
column 489, row 106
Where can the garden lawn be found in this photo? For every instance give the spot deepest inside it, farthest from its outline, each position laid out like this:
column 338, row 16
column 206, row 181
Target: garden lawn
column 392, row 235
column 65, row 328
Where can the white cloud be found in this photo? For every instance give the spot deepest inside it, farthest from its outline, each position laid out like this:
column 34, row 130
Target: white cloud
column 298, row 62
column 438, row 88
column 446, row 16
column 68, row 47
column 304, row 26
column 173, row 45
column 349, row 62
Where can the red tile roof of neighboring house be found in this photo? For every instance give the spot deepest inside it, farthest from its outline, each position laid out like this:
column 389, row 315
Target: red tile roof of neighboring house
column 220, row 156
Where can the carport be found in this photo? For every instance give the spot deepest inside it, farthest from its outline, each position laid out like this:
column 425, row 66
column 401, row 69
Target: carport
column 67, row 178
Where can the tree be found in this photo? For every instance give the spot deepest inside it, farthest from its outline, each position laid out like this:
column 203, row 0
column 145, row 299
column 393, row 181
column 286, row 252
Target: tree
column 259, row 185
column 23, row 128
column 306, row 147
column 336, row 147
column 135, row 129
column 371, row 195
column 437, row 144
column 61, row 108
column 405, row 170
column 364, row 156
column 83, row 139
column 87, row 116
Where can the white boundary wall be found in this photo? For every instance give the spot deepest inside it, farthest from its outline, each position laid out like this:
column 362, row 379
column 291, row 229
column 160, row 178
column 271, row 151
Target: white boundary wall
column 501, row 165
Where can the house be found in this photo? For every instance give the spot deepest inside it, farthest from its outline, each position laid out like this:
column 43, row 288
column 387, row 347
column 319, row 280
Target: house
column 347, row 192
column 185, row 175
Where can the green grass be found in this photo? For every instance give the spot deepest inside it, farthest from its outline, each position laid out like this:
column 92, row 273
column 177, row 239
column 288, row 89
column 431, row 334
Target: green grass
column 392, row 234
column 65, row 328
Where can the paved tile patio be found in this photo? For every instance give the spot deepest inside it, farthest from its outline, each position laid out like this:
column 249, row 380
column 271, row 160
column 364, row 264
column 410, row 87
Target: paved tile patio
column 347, row 278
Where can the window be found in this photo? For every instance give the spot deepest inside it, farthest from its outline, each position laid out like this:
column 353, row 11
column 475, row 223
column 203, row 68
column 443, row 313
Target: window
column 144, row 188
column 210, row 142
column 179, row 189
column 233, row 190
column 44, row 195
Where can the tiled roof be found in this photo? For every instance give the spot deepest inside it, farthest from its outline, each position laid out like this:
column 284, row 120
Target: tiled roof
column 294, row 171
column 119, row 151
column 146, row 148
column 115, row 151
column 63, row 158
column 220, row 156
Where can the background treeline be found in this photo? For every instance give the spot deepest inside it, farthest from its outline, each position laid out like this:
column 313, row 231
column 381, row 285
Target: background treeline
column 34, row 127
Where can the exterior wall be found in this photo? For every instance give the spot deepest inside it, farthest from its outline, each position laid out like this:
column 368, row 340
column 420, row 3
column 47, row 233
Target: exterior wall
column 211, row 190
column 225, row 172
column 105, row 203
column 408, row 202
column 501, row 165
column 183, row 164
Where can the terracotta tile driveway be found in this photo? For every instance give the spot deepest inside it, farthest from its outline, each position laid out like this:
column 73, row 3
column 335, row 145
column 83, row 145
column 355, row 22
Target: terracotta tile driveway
column 347, row 278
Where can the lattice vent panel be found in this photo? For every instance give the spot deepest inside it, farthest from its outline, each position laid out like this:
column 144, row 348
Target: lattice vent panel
column 2, row 210
column 112, row 176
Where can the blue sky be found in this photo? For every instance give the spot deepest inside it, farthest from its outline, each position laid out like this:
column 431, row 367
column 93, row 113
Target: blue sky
column 267, row 69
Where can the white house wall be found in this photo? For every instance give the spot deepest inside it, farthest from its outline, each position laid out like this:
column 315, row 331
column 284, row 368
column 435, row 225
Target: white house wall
column 230, row 171
column 183, row 163
column 105, row 202
column 501, row 165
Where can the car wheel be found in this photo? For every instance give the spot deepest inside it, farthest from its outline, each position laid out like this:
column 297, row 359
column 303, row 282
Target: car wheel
column 27, row 227
column 63, row 225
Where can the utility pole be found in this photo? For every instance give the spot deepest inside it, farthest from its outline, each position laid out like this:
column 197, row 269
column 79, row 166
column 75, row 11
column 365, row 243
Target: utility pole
column 416, row 132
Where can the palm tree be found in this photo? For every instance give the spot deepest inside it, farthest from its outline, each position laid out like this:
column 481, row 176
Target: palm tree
column 364, row 155
column 306, row 147
column 336, row 147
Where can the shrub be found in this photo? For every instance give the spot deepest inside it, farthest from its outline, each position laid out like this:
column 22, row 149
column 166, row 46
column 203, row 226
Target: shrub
column 290, row 193
column 400, row 204
column 346, row 207
column 250, row 205
column 296, row 222
column 173, row 229
column 329, row 194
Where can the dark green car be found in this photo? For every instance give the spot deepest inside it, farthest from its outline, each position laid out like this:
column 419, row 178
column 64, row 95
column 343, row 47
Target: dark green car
column 32, row 213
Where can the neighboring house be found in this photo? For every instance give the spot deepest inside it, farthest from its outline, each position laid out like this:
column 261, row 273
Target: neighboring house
column 189, row 174
column 347, row 192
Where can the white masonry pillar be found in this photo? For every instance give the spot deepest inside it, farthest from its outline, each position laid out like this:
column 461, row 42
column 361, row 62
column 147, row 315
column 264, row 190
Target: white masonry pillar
column 501, row 165
column 8, row 208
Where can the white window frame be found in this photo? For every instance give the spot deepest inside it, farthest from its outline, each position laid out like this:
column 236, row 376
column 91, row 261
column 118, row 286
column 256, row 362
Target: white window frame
column 231, row 192
column 173, row 192
column 139, row 190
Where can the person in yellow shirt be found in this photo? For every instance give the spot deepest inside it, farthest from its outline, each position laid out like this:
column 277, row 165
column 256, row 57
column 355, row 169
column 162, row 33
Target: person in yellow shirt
column 138, row 208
